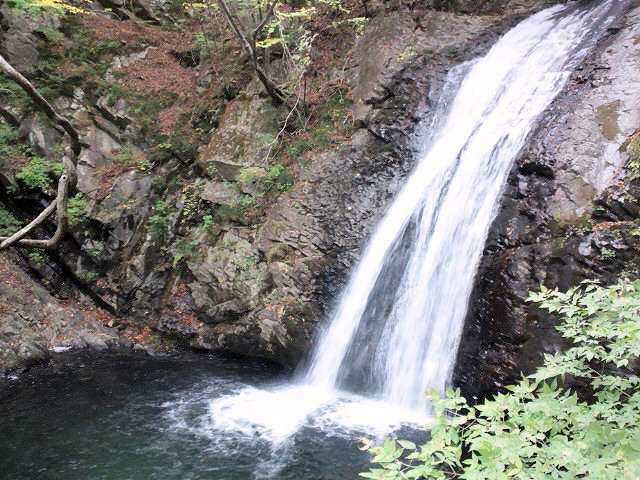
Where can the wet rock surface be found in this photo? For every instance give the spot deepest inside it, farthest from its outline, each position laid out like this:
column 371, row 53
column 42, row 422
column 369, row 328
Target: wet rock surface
column 569, row 214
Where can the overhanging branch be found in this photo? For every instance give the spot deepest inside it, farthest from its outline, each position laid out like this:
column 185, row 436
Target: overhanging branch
column 66, row 181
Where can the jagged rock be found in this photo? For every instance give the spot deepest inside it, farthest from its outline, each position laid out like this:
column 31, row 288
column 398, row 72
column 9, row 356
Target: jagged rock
column 32, row 325
column 125, row 206
column 243, row 138
column 552, row 230
column 18, row 39
column 44, row 141
column 230, row 271
column 264, row 289
column 220, row 193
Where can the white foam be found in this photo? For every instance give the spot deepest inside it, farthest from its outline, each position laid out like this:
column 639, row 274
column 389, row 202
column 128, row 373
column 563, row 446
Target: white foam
column 60, row 349
column 275, row 415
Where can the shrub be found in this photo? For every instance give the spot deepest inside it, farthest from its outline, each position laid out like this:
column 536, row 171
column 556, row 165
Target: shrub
column 127, row 158
column 8, row 140
column 36, row 257
column 536, row 429
column 31, row 7
column 77, row 209
column 9, row 224
column 280, row 177
column 39, row 173
column 158, row 223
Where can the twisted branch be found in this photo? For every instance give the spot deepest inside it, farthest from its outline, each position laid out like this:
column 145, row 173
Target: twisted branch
column 66, row 181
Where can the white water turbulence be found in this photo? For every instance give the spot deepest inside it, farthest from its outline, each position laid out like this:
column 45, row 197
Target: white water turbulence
column 396, row 330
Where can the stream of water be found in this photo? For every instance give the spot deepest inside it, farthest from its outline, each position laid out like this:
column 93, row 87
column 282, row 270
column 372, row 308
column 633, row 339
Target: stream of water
column 396, row 328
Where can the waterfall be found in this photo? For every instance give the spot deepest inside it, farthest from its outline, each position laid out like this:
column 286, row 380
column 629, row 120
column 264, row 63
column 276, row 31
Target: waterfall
column 396, row 341
column 396, row 328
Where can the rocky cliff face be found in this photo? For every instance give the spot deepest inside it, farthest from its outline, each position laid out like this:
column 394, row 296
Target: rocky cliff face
column 33, row 322
column 569, row 213
column 194, row 231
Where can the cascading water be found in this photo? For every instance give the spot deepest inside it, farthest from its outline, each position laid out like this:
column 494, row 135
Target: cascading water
column 446, row 208
column 396, row 329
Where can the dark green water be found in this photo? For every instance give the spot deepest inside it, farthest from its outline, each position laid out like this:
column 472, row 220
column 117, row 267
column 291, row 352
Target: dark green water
column 127, row 417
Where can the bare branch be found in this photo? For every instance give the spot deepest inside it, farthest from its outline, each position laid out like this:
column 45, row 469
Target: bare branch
column 20, row 234
column 42, row 104
column 265, row 20
column 60, row 205
column 273, row 90
column 66, row 181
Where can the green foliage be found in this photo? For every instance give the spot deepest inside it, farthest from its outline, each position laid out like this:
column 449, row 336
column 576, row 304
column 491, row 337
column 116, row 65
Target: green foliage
column 9, row 224
column 191, row 201
column 538, row 430
column 128, row 159
column 607, row 254
column 96, row 249
column 12, row 94
column 73, row 57
column 77, row 209
column 31, row 7
column 314, row 139
column 249, row 174
column 241, row 210
column 279, row 176
column 39, row 173
column 9, row 142
column 36, row 257
column 144, row 107
column 186, row 247
column 51, row 34
column 333, row 120
column 202, row 46
column 158, row 223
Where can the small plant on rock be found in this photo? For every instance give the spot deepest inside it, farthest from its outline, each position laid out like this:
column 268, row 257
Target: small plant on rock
column 9, row 224
column 159, row 222
column 77, row 209
column 39, row 174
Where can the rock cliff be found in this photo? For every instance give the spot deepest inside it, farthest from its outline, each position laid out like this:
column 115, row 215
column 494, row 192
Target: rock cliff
column 198, row 227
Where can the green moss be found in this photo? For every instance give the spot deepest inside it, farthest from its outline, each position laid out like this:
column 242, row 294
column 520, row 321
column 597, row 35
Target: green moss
column 276, row 178
column 187, row 247
column 143, row 107
column 238, row 210
column 73, row 57
column 12, row 94
column 191, row 201
column 248, row 174
column 177, row 144
column 633, row 149
column 184, row 248
column 129, row 159
column 96, row 250
column 280, row 177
